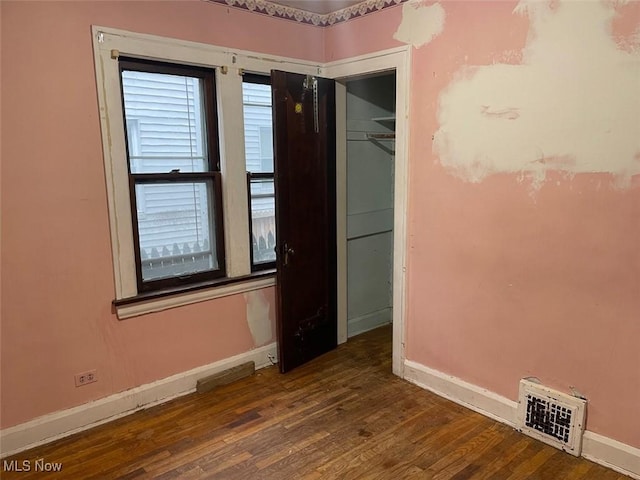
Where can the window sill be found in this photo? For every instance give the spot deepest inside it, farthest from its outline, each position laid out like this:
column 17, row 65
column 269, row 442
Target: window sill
column 176, row 297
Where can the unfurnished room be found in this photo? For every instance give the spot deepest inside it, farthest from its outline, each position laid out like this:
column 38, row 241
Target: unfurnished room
column 320, row 239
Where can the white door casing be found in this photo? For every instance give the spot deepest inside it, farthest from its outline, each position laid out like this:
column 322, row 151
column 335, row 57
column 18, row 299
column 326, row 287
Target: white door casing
column 398, row 60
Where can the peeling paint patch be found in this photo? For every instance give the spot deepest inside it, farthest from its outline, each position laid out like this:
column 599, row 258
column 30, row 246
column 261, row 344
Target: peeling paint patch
column 572, row 105
column 420, row 23
column 510, row 113
column 258, row 317
column 630, row 43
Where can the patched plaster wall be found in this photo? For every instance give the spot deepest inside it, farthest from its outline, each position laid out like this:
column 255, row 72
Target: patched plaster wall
column 421, row 23
column 261, row 315
column 571, row 105
column 502, row 283
column 524, row 196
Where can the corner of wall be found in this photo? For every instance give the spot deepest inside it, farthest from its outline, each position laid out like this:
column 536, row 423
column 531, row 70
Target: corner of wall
column 602, row 450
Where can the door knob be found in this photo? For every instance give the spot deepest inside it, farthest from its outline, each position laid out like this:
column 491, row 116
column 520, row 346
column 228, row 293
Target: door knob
column 287, row 251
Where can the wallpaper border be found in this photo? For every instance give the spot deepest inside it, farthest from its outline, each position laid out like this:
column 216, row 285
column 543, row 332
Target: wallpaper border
column 266, row 7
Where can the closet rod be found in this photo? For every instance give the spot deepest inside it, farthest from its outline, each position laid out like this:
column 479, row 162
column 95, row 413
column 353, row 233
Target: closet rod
column 381, row 136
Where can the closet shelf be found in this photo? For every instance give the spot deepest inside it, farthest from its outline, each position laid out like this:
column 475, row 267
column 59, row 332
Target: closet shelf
column 390, row 118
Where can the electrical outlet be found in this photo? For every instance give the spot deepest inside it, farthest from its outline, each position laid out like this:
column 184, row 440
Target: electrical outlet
column 86, row 378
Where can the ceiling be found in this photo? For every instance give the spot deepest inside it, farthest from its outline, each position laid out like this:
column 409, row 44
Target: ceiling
column 317, row 6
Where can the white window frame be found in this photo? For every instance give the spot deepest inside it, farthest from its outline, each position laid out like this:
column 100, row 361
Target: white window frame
column 108, row 45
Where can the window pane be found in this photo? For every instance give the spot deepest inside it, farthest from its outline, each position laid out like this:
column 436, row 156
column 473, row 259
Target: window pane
column 258, row 130
column 263, row 220
column 165, row 122
column 176, row 228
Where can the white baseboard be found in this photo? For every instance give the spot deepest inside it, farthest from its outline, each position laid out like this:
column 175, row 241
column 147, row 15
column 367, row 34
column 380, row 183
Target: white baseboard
column 615, row 455
column 466, row 394
column 597, row 448
column 369, row 321
column 66, row 422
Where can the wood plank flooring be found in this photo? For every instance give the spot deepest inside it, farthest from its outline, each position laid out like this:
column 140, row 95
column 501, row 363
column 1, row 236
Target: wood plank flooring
column 343, row 416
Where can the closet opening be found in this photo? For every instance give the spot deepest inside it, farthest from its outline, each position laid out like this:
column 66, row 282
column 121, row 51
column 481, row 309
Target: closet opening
column 370, row 157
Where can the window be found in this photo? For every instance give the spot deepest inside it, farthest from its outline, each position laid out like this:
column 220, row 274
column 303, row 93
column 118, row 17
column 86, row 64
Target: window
column 157, row 175
column 174, row 173
column 258, row 135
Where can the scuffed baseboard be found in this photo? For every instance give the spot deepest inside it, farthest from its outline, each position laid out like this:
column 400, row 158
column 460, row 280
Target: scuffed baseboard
column 597, row 448
column 67, row 422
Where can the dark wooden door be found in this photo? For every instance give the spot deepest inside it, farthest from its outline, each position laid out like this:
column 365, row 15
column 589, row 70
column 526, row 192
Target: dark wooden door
column 305, row 179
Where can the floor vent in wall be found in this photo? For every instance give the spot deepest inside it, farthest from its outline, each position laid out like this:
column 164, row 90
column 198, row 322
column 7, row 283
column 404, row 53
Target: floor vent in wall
column 552, row 417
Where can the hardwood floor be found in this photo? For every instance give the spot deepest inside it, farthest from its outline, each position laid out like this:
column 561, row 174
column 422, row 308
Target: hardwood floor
column 343, row 416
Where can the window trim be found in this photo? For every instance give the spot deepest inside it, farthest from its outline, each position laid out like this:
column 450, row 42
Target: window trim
column 159, row 300
column 108, row 45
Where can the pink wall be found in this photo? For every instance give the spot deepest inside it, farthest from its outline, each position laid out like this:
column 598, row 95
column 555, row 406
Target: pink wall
column 57, row 275
column 507, row 279
column 361, row 35
column 504, row 280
